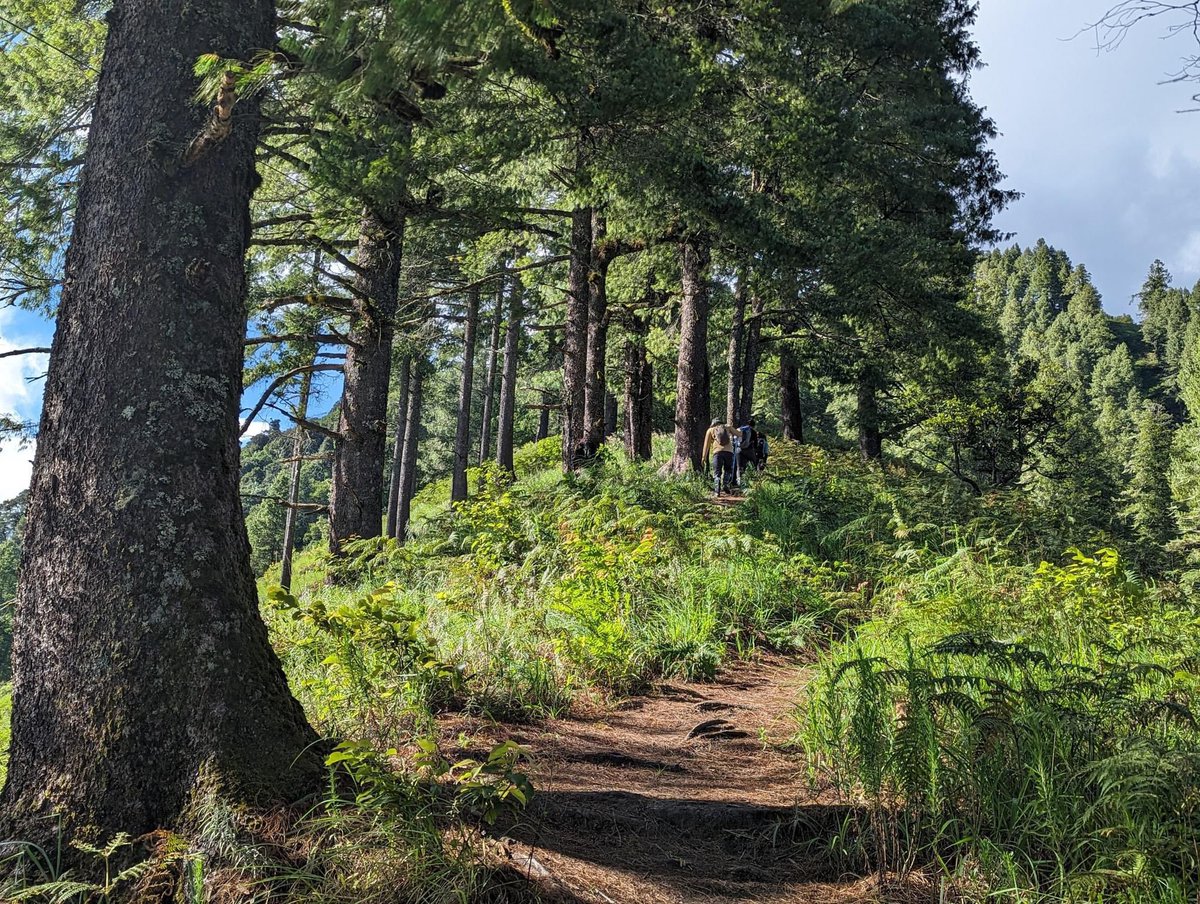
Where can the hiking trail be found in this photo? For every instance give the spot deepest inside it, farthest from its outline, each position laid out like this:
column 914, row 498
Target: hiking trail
column 682, row 796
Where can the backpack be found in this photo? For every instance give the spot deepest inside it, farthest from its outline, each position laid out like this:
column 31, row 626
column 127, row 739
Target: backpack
column 723, row 435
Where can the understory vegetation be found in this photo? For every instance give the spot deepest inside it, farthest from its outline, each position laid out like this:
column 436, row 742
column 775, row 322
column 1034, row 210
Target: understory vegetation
column 1015, row 723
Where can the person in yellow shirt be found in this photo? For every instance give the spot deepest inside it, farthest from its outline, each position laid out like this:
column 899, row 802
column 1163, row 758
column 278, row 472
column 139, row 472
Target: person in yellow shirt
column 719, row 442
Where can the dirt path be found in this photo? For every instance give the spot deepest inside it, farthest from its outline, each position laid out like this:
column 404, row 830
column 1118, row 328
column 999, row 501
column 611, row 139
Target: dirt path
column 682, row 796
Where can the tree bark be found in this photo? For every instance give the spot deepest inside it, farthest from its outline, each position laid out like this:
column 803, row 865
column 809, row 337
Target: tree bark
column 597, row 337
column 611, row 414
column 639, row 391
column 791, row 412
column 356, row 496
column 691, row 417
column 752, row 359
column 870, row 439
column 408, row 459
column 393, row 511
column 292, row 514
column 737, row 332
column 143, row 675
column 489, row 391
column 508, row 385
column 462, row 434
column 576, row 334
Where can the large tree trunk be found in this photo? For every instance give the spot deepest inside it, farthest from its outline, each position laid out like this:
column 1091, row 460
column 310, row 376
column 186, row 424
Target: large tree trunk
column 508, row 385
column 393, row 510
column 142, row 670
column 734, row 359
column 791, row 413
column 753, row 359
column 639, row 391
column 462, row 434
column 489, row 389
column 576, row 335
column 597, row 337
column 293, row 514
column 691, row 415
column 870, row 439
column 356, row 495
column 408, row 458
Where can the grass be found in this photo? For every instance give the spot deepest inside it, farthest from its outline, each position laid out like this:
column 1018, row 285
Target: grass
column 537, row 590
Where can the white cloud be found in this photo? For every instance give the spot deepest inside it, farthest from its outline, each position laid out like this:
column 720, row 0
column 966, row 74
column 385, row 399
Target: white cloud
column 20, row 399
column 16, row 467
column 256, row 427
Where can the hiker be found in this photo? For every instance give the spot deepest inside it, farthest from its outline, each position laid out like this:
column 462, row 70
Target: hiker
column 749, row 449
column 719, row 442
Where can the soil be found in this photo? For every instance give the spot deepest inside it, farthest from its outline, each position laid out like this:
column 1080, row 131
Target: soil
column 684, row 796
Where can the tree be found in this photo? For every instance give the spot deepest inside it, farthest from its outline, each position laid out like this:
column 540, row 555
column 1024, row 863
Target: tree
column 138, row 457
column 691, row 414
column 462, row 435
column 1148, row 496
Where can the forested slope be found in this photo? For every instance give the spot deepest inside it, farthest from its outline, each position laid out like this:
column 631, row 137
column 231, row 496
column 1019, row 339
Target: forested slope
column 397, row 346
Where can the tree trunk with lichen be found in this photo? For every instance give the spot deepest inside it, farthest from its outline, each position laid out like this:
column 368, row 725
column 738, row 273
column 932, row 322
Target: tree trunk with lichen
column 143, row 672
column 356, row 495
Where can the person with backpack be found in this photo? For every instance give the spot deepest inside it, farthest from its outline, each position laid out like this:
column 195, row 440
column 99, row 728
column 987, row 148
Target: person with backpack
column 750, row 448
column 718, row 442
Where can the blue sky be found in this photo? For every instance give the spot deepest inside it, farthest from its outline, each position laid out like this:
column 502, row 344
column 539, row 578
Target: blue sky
column 1109, row 169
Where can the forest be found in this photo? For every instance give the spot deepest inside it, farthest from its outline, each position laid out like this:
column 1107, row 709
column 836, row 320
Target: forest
column 374, row 551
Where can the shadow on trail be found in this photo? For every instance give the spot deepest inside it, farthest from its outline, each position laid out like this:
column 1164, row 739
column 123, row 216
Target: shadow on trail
column 701, row 844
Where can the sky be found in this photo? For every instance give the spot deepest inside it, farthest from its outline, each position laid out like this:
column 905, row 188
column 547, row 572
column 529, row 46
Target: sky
column 1108, row 168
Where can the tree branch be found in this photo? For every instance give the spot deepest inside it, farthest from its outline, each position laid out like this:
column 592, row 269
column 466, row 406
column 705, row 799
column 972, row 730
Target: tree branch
column 279, row 381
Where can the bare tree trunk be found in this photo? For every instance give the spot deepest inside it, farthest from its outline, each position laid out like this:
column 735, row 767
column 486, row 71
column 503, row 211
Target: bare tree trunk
column 462, row 435
column 408, row 461
column 543, row 421
column 357, row 492
column 508, row 385
column 639, row 391
column 690, row 414
column 610, row 414
column 292, row 514
column 753, row 359
column 143, row 675
column 576, row 335
column 489, row 391
column 597, row 337
column 791, row 412
column 393, row 511
column 870, row 439
column 737, row 332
